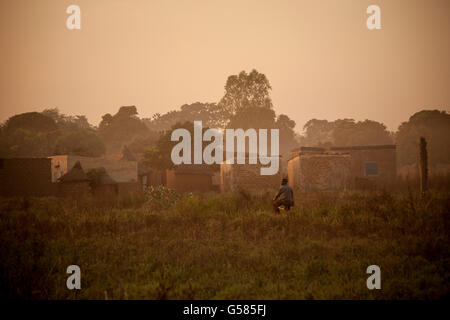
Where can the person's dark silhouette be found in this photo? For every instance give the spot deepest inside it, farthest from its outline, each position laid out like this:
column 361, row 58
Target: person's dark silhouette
column 284, row 197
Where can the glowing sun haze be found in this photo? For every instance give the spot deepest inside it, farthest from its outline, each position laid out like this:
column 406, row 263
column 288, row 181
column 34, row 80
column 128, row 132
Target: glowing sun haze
column 319, row 56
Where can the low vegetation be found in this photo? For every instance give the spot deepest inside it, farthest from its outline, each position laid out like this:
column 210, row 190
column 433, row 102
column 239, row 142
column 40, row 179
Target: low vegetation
column 228, row 247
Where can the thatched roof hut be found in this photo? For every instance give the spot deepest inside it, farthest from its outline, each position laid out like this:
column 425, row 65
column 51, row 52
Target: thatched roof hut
column 104, row 177
column 104, row 185
column 74, row 184
column 76, row 174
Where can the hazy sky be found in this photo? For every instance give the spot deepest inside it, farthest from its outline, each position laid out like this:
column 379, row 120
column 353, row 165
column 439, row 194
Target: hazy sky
column 319, row 56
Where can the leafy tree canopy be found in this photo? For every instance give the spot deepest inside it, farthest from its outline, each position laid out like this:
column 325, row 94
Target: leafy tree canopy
column 244, row 91
column 35, row 134
column 345, row 132
column 434, row 126
column 247, row 104
column 120, row 129
column 78, row 121
column 75, row 135
column 81, row 142
column 159, row 155
column 30, row 121
column 209, row 113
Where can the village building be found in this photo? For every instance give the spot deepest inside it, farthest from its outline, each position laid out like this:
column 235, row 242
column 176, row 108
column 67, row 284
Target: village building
column 371, row 166
column 235, row 177
column 25, row 177
column 149, row 177
column 337, row 168
column 103, row 186
column 120, row 169
column 190, row 178
column 74, row 184
column 146, row 176
column 319, row 171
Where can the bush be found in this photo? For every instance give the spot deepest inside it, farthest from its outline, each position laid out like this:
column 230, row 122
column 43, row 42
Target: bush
column 160, row 198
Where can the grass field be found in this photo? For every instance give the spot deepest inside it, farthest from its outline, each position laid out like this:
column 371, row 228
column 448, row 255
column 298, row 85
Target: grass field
column 228, row 247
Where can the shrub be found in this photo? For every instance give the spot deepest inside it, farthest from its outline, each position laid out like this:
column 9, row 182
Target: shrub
column 160, row 198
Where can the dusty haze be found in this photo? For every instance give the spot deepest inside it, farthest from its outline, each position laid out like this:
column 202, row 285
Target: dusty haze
column 319, row 56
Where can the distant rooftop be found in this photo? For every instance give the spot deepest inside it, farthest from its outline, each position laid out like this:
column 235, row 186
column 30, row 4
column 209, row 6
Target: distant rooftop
column 296, row 151
column 76, row 174
column 375, row 147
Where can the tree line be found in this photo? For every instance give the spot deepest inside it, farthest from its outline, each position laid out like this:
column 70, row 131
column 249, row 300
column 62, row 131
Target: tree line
column 246, row 104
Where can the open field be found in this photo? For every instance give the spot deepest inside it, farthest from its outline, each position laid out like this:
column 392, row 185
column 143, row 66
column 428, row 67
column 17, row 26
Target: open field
column 228, row 247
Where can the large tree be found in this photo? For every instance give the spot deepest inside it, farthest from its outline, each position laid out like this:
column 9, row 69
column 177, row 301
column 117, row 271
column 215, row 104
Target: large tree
column 244, row 91
column 120, row 129
column 209, row 113
column 317, row 133
column 434, row 125
column 31, row 121
column 78, row 121
column 247, row 104
column 345, row 132
column 288, row 137
column 253, row 117
column 81, row 142
column 30, row 134
column 76, row 135
column 367, row 132
column 35, row 134
column 159, row 155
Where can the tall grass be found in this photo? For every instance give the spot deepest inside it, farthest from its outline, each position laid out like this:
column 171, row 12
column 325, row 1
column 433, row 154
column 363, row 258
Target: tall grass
column 228, row 246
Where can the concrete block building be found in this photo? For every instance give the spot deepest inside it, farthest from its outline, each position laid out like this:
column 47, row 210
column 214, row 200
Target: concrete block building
column 371, row 166
column 334, row 168
column 321, row 171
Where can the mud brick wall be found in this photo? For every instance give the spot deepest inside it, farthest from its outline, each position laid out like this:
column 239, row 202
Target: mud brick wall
column 75, row 190
column 342, row 167
column 321, row 172
column 383, row 156
column 129, row 188
column 294, row 172
column 235, row 177
column 188, row 182
column 152, row 178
